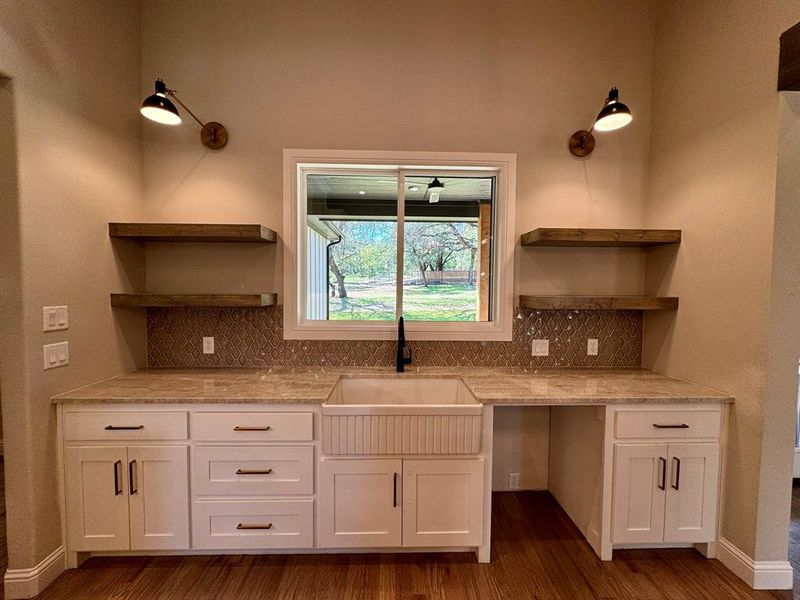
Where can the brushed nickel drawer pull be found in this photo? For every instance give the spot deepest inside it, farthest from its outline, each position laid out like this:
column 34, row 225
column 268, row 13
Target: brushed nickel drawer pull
column 253, row 526
column 253, row 472
column 241, row 428
column 680, row 426
column 124, row 427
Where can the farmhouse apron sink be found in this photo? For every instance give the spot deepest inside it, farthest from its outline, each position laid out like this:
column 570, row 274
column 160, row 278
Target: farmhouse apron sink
column 401, row 416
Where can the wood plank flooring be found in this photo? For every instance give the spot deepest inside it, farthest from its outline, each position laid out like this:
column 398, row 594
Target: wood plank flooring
column 537, row 553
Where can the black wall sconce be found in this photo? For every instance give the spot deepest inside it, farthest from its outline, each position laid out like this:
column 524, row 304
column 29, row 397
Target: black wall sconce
column 613, row 115
column 160, row 109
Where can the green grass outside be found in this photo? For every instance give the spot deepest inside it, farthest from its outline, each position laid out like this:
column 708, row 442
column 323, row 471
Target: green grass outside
column 376, row 302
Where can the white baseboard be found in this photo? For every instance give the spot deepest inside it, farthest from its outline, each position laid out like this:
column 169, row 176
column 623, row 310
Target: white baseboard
column 759, row 575
column 27, row 583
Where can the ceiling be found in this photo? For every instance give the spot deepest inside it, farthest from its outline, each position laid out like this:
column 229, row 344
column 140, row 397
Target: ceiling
column 384, row 187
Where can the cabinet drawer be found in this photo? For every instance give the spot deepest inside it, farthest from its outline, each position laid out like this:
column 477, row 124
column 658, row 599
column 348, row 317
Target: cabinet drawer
column 253, row 426
column 109, row 425
column 651, row 424
column 253, row 524
column 252, row 470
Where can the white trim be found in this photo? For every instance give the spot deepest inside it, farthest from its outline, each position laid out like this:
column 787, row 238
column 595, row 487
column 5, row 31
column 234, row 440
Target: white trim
column 27, row 583
column 499, row 329
column 759, row 575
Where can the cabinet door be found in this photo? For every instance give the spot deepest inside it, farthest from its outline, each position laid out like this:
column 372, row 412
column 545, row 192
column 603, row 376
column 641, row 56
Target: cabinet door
column 692, row 484
column 159, row 497
column 639, row 493
column 360, row 503
column 443, row 502
column 96, row 497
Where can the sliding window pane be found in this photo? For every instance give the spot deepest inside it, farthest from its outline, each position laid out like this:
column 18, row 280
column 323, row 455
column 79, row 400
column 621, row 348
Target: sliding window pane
column 448, row 248
column 351, row 251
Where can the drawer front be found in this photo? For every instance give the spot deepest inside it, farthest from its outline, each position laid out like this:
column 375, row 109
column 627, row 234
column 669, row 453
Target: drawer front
column 252, row 470
column 253, row 426
column 109, row 425
column 253, row 524
column 651, row 424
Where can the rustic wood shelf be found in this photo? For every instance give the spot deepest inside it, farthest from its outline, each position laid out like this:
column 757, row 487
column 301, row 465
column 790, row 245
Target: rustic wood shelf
column 600, row 302
column 193, row 232
column 194, row 299
column 548, row 236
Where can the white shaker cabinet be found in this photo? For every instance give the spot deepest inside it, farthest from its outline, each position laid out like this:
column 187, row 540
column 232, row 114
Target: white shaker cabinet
column 97, row 504
column 127, row 498
column 372, row 503
column 360, row 503
column 639, row 493
column 665, row 493
column 443, row 502
column 159, row 497
column 691, row 505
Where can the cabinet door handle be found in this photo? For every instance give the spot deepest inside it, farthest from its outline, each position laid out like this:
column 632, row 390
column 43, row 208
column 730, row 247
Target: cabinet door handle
column 662, row 476
column 671, row 426
column 253, row 472
column 253, row 526
column 133, row 484
column 117, row 477
column 243, row 428
column 394, row 491
column 677, row 462
column 124, row 427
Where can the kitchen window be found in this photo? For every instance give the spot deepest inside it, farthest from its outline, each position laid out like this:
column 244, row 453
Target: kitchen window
column 373, row 236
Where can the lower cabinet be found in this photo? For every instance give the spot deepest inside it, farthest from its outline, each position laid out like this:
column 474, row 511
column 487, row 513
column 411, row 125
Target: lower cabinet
column 665, row 492
column 359, row 503
column 374, row 503
column 127, row 497
column 253, row 524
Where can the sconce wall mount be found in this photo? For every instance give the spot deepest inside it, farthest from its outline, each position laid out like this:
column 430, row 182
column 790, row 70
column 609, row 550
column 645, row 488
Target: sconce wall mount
column 159, row 108
column 613, row 115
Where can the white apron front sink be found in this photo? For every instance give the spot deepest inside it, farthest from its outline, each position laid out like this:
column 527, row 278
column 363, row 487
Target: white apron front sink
column 403, row 415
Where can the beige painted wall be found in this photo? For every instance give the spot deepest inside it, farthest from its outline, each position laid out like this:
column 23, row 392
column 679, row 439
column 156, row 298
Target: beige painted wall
column 451, row 75
column 713, row 167
column 72, row 164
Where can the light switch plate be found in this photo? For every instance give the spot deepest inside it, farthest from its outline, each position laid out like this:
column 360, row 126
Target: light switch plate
column 55, row 318
column 592, row 347
column 540, row 348
column 208, row 345
column 56, row 355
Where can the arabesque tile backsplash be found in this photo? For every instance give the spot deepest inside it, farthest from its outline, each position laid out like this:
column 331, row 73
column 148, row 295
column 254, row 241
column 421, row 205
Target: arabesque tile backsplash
column 253, row 337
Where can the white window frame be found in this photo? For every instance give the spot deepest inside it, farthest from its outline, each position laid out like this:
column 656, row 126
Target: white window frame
column 296, row 162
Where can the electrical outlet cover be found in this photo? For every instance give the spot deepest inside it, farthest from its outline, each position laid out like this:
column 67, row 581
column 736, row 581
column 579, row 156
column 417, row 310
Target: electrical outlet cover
column 540, row 348
column 592, row 347
column 208, row 345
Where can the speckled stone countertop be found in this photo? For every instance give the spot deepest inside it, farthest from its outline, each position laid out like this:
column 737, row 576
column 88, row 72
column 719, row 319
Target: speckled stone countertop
column 313, row 385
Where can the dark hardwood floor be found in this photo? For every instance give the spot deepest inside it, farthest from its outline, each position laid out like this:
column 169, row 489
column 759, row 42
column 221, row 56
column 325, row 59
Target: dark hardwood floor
column 537, row 553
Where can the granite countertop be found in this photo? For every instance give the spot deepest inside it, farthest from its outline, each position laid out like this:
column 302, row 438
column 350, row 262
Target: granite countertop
column 313, row 385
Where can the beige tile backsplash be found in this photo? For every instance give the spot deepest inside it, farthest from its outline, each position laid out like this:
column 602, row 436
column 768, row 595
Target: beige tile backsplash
column 253, row 337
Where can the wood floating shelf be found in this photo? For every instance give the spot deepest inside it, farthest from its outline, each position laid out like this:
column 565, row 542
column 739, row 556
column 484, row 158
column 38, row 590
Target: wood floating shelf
column 599, row 302
column 219, row 300
column 545, row 236
column 193, row 232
